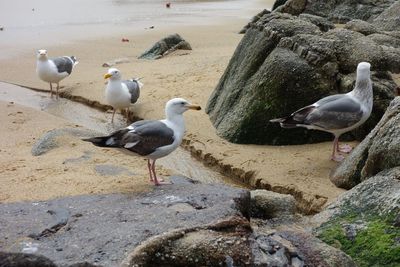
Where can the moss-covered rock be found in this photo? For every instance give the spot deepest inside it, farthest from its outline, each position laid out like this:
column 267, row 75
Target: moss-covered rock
column 363, row 222
column 375, row 244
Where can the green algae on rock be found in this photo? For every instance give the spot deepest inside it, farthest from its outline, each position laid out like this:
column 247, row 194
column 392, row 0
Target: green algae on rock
column 375, row 243
column 363, row 222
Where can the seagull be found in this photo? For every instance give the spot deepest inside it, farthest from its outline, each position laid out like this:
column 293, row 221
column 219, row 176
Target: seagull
column 55, row 69
column 337, row 114
column 121, row 94
column 152, row 139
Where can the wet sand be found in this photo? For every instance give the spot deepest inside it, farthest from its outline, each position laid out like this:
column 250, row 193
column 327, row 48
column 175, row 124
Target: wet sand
column 300, row 170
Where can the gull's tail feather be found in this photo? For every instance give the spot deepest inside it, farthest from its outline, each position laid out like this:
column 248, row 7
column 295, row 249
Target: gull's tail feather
column 74, row 60
column 287, row 122
column 102, row 141
column 137, row 80
column 296, row 119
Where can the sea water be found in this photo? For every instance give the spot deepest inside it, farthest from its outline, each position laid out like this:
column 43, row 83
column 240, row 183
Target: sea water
column 39, row 22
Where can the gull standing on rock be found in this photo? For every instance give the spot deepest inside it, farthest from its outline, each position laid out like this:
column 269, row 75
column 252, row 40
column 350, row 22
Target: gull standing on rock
column 152, row 139
column 55, row 69
column 120, row 94
column 337, row 114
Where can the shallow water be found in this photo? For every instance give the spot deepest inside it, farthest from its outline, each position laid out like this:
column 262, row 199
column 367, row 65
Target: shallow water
column 180, row 161
column 52, row 13
column 44, row 23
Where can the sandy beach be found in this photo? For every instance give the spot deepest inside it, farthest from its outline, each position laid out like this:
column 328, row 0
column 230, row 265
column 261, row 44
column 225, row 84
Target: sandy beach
column 299, row 170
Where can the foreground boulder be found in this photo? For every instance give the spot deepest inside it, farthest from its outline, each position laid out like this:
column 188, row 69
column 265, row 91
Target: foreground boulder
column 30, row 260
column 232, row 242
column 364, row 222
column 379, row 151
column 166, row 46
column 101, row 229
column 225, row 243
column 24, row 259
column 284, row 63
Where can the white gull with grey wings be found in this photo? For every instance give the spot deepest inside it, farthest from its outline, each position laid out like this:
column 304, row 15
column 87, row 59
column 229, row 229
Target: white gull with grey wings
column 121, row 94
column 53, row 70
column 152, row 139
column 339, row 113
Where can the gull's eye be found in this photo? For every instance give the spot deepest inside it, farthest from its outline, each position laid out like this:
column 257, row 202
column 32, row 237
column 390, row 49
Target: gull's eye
column 182, row 103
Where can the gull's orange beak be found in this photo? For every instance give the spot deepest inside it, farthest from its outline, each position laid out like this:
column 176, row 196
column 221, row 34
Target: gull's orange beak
column 194, row 107
column 108, row 75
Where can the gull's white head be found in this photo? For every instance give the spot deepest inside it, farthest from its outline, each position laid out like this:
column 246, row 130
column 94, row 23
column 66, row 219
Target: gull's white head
column 178, row 106
column 42, row 54
column 363, row 70
column 113, row 74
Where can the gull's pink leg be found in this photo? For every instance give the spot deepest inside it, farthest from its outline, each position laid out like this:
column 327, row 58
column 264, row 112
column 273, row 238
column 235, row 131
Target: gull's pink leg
column 58, row 87
column 156, row 182
column 51, row 90
column 345, row 148
column 335, row 156
column 112, row 118
column 149, row 166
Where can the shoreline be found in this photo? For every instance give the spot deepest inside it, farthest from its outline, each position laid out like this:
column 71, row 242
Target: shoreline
column 18, row 38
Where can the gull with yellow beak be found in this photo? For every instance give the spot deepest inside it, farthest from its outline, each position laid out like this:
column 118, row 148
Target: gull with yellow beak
column 121, row 94
column 152, row 139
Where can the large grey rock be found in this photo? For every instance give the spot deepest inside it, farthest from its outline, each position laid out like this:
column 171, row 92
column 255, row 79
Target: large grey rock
column 254, row 20
column 284, row 63
column 267, row 204
column 389, row 20
column 102, row 229
column 166, row 46
column 379, row 151
column 340, row 11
